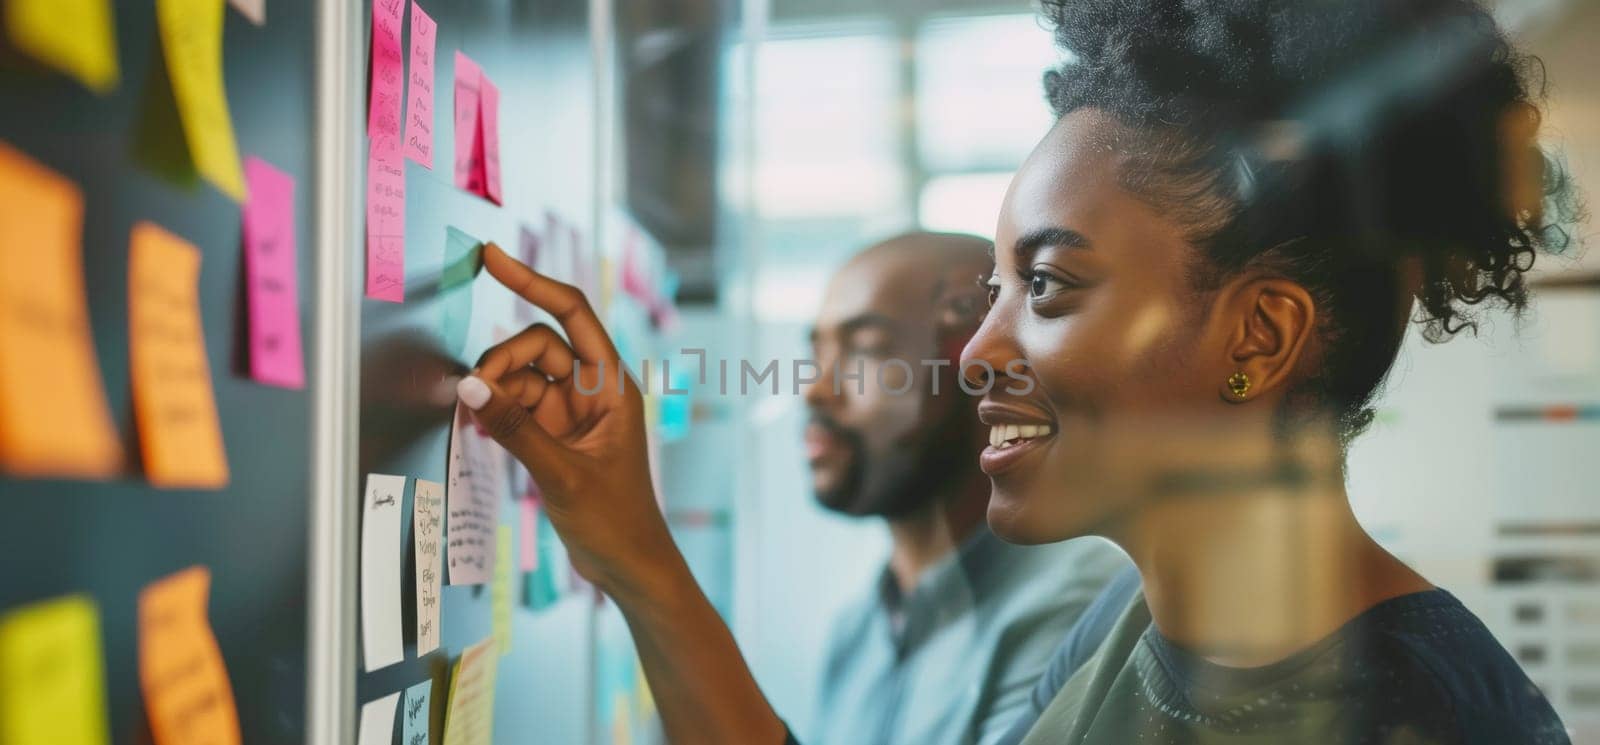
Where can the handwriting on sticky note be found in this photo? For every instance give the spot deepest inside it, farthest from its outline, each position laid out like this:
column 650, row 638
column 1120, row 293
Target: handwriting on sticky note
column 472, row 502
column 52, row 678
column 75, row 36
column 172, row 398
column 53, row 415
column 418, row 145
column 468, row 127
column 377, row 721
column 500, row 591
column 381, row 641
column 191, row 37
column 469, row 713
column 427, row 521
column 187, row 696
column 414, row 717
column 386, row 223
column 388, row 74
column 489, row 115
column 272, row 286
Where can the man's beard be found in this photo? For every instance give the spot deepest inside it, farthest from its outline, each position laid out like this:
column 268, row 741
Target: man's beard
column 906, row 480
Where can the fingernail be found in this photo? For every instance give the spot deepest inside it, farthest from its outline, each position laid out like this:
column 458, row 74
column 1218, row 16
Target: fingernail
column 472, row 392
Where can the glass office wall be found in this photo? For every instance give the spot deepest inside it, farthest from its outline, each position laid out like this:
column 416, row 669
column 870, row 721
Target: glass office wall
column 846, row 123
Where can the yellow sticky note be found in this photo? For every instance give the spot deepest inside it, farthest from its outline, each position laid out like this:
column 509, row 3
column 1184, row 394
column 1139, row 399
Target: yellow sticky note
column 500, row 591
column 187, row 696
column 52, row 677
column 179, row 432
column 76, row 36
column 53, row 415
column 191, row 37
column 469, row 712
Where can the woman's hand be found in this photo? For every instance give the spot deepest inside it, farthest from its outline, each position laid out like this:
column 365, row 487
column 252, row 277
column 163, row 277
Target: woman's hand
column 582, row 438
column 571, row 414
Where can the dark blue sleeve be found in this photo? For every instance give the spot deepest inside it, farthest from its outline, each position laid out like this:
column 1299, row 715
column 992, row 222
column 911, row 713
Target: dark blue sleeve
column 788, row 736
column 1076, row 648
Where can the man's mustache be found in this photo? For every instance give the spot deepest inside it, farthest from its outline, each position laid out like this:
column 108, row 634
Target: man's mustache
column 850, row 437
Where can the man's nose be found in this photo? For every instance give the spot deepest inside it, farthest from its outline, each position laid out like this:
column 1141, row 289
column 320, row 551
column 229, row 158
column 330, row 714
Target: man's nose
column 819, row 394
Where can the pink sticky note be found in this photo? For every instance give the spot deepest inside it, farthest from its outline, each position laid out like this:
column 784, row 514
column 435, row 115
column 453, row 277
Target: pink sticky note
column 528, row 245
column 469, row 131
column 388, row 73
column 386, row 222
column 633, row 279
column 529, row 540
column 489, row 115
column 272, row 288
column 419, row 122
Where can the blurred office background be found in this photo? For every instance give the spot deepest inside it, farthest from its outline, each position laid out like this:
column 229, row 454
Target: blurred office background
column 832, row 124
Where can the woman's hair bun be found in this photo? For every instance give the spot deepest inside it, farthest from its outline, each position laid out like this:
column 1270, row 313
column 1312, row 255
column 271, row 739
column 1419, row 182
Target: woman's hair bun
column 1395, row 129
column 1333, row 141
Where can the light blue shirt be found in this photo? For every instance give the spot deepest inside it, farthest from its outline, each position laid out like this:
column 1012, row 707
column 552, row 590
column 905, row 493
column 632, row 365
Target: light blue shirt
column 954, row 660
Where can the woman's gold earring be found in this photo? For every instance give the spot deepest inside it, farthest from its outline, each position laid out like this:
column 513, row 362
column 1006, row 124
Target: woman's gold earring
column 1239, row 383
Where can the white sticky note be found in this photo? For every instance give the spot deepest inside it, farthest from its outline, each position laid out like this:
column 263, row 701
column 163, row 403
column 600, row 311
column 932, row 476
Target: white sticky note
column 478, row 482
column 427, row 517
column 377, row 721
column 254, row 10
column 380, row 571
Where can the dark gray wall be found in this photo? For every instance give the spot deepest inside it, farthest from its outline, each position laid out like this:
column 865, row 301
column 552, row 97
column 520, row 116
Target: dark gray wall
column 111, row 539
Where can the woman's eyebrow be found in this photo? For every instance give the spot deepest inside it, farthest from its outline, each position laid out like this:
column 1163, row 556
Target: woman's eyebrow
column 1058, row 237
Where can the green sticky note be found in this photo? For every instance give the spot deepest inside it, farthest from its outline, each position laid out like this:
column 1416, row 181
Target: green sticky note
column 539, row 585
column 52, row 675
column 500, row 591
column 463, row 258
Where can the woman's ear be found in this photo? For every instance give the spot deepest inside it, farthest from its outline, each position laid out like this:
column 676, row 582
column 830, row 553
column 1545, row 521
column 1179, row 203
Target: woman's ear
column 1271, row 324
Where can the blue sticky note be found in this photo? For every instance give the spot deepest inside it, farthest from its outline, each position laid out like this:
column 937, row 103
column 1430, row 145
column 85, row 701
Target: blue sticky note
column 414, row 715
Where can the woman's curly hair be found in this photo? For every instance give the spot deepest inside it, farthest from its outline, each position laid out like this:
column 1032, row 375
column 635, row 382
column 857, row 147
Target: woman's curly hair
column 1371, row 150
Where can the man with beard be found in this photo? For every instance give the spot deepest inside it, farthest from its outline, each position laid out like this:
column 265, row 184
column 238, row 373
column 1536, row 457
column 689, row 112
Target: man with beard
column 946, row 644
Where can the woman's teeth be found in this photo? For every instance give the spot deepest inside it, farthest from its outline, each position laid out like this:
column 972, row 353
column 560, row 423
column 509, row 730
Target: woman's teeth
column 1006, row 435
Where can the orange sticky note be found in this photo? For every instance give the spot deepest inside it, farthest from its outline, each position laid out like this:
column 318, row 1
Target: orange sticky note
column 187, row 695
column 172, row 398
column 53, row 415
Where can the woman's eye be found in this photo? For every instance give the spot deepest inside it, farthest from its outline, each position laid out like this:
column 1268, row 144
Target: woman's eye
column 1042, row 285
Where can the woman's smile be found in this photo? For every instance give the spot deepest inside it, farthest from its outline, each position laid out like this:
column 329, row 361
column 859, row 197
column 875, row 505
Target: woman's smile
column 1015, row 432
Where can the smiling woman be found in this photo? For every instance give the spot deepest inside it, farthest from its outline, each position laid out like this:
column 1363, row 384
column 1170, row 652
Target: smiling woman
column 1210, row 263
